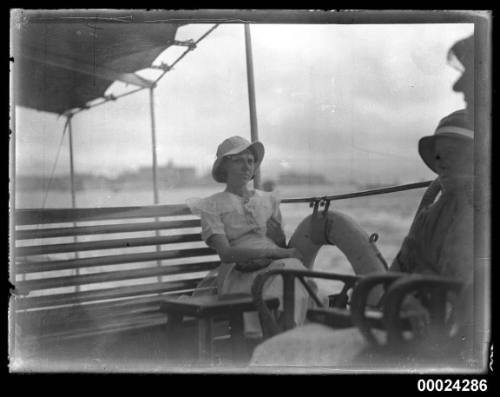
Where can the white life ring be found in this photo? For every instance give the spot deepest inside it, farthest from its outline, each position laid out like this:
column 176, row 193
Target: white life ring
column 336, row 228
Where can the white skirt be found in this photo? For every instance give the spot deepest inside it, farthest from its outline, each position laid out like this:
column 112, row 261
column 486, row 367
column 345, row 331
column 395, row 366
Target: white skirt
column 232, row 281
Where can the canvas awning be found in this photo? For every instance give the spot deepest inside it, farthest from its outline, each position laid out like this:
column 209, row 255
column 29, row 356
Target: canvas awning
column 63, row 63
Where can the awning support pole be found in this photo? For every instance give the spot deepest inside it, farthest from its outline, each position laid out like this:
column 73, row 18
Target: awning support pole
column 13, row 328
column 72, row 179
column 71, row 166
column 251, row 96
column 155, row 165
column 153, row 140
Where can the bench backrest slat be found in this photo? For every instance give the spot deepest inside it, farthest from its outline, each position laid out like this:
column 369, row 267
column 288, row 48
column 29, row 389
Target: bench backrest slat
column 63, row 215
column 95, row 308
column 35, row 267
column 106, row 244
column 104, row 294
column 120, row 275
column 36, row 233
column 113, row 327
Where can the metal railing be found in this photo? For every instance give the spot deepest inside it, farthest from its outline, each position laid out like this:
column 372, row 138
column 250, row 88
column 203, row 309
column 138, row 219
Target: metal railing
column 371, row 192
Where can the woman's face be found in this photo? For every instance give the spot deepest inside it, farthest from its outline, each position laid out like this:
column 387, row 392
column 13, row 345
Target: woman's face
column 240, row 167
column 454, row 157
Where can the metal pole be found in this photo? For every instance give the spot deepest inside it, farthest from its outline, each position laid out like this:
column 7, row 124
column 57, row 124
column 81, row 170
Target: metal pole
column 73, row 194
column 155, row 165
column 12, row 171
column 12, row 267
column 153, row 139
column 71, row 167
column 251, row 96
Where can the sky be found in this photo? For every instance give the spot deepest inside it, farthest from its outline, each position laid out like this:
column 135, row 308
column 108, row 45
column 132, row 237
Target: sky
column 348, row 101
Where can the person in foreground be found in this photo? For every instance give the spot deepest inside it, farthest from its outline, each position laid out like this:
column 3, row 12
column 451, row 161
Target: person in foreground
column 244, row 226
column 461, row 57
column 440, row 242
column 440, row 239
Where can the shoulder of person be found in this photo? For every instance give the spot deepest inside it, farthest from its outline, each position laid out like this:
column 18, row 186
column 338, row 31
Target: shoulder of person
column 210, row 204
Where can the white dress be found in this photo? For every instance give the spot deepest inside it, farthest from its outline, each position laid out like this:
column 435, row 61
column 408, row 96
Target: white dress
column 244, row 223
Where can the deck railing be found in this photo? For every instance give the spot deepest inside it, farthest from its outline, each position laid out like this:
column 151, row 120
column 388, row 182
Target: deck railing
column 371, row 192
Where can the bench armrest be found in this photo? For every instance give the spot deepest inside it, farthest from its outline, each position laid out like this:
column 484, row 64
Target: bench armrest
column 270, row 325
column 362, row 309
column 436, row 289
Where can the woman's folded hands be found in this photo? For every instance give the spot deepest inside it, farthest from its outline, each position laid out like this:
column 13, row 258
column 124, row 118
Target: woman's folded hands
column 281, row 253
column 253, row 265
column 260, row 263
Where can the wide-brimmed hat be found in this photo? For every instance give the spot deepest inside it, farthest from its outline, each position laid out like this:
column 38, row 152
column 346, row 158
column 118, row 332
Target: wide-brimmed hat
column 461, row 54
column 455, row 125
column 235, row 145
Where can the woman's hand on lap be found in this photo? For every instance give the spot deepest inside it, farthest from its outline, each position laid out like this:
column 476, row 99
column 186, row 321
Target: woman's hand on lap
column 253, row 265
column 295, row 253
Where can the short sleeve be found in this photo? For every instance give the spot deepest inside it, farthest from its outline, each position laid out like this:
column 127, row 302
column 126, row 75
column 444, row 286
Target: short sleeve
column 211, row 222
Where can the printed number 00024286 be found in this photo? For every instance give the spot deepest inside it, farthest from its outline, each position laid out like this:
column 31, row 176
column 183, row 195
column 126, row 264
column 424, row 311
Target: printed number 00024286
column 452, row 385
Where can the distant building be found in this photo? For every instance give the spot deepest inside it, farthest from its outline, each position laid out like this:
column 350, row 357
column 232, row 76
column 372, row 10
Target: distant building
column 171, row 175
column 168, row 176
column 295, row 178
column 40, row 182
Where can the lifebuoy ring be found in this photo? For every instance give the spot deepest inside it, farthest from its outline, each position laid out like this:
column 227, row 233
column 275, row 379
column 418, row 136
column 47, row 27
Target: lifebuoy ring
column 339, row 229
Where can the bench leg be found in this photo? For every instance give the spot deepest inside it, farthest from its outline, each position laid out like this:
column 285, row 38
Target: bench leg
column 205, row 346
column 173, row 326
column 238, row 343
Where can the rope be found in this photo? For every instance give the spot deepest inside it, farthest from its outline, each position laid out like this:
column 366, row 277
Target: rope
column 190, row 48
column 372, row 192
column 106, row 99
column 66, row 124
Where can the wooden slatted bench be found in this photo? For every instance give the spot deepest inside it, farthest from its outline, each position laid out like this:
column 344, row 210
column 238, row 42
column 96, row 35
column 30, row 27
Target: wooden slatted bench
column 88, row 271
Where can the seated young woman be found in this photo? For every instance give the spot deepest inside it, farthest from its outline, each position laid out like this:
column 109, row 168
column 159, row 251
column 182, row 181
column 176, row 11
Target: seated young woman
column 244, row 226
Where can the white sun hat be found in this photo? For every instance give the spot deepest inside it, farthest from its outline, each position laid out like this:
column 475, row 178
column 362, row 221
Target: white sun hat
column 235, row 145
